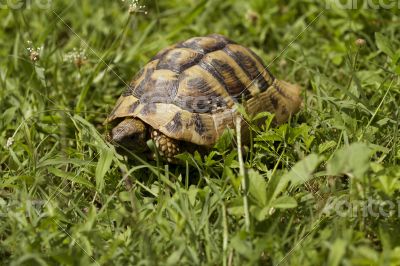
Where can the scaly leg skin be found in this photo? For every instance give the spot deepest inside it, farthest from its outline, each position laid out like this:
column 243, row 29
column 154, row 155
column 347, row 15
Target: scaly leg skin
column 167, row 147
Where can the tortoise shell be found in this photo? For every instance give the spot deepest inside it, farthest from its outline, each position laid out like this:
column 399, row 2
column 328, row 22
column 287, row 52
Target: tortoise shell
column 190, row 91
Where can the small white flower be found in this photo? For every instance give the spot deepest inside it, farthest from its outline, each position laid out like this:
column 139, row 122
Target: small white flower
column 77, row 57
column 360, row 42
column 135, row 7
column 34, row 53
column 10, row 142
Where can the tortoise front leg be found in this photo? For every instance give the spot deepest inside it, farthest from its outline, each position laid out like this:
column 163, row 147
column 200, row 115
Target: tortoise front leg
column 167, row 147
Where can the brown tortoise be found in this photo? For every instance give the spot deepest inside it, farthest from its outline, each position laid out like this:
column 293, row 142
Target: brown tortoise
column 188, row 94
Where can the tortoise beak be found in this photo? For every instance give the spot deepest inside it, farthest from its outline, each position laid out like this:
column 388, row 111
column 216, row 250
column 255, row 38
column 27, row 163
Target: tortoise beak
column 130, row 134
column 117, row 135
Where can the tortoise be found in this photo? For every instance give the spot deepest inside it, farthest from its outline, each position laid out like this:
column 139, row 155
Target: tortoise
column 188, row 94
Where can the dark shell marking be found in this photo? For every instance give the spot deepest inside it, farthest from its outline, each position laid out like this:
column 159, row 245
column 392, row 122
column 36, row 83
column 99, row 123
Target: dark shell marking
column 274, row 101
column 140, row 88
column 231, row 82
column 198, row 124
column 148, row 108
column 133, row 107
column 175, row 124
column 280, row 91
column 178, row 60
column 204, row 45
column 199, row 97
column 249, row 66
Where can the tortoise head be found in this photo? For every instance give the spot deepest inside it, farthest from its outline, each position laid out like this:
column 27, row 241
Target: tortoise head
column 130, row 133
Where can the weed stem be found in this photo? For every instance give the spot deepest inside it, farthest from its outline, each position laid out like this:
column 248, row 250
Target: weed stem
column 242, row 174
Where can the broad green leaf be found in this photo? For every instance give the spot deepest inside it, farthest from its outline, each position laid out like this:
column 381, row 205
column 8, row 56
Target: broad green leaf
column 8, row 115
column 103, row 165
column 90, row 129
column 302, row 171
column 353, row 159
column 90, row 219
column 369, row 256
column 64, row 161
column 388, row 184
column 242, row 245
column 397, row 70
column 236, row 210
column 327, row 145
column 198, row 158
column 258, row 187
column 276, row 185
column 396, row 57
column 225, row 141
column 71, row 177
column 184, row 157
column 267, row 116
column 298, row 175
column 192, row 194
column 40, row 74
column 242, row 111
column 29, row 258
column 284, row 202
column 338, row 249
column 174, row 258
column 235, row 181
column 209, row 159
column 384, row 44
column 125, row 196
column 260, row 213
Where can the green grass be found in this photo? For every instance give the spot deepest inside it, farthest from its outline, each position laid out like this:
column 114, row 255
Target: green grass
column 314, row 185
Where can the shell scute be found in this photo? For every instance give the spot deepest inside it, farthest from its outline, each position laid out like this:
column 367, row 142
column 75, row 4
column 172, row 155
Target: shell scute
column 206, row 44
column 179, row 59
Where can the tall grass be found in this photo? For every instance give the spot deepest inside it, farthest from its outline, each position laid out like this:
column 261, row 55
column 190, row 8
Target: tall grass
column 320, row 190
